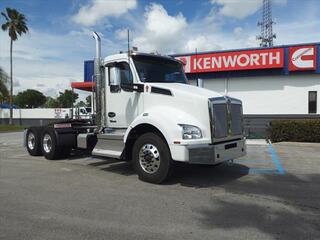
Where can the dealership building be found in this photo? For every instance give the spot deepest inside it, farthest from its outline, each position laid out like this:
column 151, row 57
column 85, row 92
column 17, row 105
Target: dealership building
column 281, row 82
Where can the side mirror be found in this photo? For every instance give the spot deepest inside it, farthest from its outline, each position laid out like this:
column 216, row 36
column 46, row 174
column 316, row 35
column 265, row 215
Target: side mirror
column 115, row 78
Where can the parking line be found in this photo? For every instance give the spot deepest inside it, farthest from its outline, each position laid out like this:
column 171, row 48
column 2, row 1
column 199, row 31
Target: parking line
column 250, row 161
column 262, row 171
column 276, row 160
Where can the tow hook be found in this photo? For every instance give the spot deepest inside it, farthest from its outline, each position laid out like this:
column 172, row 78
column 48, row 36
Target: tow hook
column 230, row 162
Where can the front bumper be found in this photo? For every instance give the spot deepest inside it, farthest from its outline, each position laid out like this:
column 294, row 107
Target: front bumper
column 209, row 153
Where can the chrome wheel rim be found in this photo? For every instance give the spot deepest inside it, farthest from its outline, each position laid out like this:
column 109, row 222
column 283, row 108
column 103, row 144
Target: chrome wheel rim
column 149, row 158
column 31, row 141
column 47, row 143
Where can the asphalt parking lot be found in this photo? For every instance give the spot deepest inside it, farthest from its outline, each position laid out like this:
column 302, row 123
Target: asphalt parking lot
column 272, row 193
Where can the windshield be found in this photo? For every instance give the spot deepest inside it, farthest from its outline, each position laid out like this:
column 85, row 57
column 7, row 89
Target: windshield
column 157, row 69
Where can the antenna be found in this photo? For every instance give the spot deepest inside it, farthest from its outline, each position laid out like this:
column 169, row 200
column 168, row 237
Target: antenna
column 128, row 42
column 266, row 35
column 197, row 75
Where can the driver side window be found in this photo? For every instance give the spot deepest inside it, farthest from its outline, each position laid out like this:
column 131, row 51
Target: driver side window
column 125, row 74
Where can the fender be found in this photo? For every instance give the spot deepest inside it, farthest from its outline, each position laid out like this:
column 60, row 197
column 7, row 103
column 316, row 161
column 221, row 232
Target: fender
column 166, row 120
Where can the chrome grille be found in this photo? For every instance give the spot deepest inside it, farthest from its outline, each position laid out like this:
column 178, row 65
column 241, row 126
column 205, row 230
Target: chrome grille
column 220, row 119
column 226, row 117
column 236, row 122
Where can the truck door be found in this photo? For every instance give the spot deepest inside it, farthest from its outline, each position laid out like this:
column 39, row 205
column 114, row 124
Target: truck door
column 123, row 103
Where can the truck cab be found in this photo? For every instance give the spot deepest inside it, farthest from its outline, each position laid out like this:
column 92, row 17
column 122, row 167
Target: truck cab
column 147, row 113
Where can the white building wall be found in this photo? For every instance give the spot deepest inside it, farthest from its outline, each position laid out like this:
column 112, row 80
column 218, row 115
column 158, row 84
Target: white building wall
column 41, row 113
column 270, row 94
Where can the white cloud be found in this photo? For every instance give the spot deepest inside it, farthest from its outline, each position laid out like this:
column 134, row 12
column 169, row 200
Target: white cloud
column 201, row 43
column 297, row 32
column 49, row 62
column 238, row 31
column 169, row 34
column 96, row 10
column 121, row 34
column 160, row 31
column 160, row 23
column 240, row 9
column 16, row 83
column 165, row 33
column 47, row 59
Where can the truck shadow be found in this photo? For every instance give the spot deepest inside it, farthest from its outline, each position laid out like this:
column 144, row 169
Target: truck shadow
column 283, row 207
column 203, row 176
column 197, row 176
column 115, row 166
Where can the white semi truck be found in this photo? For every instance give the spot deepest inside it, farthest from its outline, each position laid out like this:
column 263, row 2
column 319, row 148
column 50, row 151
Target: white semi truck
column 146, row 113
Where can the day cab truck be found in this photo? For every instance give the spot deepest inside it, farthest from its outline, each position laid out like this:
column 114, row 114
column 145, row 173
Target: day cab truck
column 146, row 113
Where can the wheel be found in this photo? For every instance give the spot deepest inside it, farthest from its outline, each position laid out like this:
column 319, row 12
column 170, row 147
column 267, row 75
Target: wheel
column 151, row 158
column 33, row 141
column 49, row 146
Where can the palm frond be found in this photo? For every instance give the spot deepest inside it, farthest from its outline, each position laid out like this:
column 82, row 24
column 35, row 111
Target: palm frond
column 5, row 16
column 12, row 13
column 5, row 26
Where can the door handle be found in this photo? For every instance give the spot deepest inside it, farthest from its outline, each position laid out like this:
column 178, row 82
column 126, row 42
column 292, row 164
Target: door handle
column 111, row 114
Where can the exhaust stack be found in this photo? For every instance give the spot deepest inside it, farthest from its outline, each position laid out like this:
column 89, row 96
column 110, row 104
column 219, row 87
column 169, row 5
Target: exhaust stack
column 99, row 93
column 200, row 82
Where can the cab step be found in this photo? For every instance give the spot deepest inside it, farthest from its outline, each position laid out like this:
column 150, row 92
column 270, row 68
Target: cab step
column 110, row 143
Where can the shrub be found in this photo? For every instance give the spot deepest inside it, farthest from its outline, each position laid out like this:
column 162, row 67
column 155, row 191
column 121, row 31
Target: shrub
column 295, row 130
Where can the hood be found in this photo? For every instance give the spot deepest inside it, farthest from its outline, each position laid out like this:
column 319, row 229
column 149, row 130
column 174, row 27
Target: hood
column 188, row 104
column 186, row 89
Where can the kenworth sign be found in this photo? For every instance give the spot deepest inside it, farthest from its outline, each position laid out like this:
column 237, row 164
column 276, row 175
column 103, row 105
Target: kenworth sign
column 297, row 58
column 232, row 61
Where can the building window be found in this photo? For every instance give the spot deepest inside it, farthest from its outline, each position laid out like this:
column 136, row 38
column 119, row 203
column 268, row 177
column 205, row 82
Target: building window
column 312, row 102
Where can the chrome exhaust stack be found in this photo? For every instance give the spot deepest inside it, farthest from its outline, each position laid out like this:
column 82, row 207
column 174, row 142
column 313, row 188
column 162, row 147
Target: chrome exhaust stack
column 200, row 82
column 100, row 86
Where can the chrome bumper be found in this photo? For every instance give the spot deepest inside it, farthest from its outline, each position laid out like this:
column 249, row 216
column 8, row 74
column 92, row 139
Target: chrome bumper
column 213, row 154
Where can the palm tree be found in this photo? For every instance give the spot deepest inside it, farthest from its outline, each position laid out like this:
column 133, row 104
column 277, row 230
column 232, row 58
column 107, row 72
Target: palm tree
column 16, row 25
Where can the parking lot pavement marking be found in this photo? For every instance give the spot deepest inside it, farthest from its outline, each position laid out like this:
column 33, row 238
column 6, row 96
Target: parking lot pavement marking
column 250, row 160
column 276, row 159
column 262, row 171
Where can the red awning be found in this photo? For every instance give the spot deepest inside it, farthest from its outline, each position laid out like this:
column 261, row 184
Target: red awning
column 85, row 86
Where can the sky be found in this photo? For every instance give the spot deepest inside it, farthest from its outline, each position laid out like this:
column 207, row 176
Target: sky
column 51, row 54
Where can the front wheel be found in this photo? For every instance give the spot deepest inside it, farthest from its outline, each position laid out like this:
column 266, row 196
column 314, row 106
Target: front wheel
column 151, row 158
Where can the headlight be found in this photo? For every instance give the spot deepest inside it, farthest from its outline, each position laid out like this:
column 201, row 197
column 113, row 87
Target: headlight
column 190, row 132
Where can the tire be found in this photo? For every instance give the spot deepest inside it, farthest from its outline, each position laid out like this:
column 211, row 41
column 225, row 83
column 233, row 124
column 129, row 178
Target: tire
column 33, row 142
column 49, row 147
column 151, row 158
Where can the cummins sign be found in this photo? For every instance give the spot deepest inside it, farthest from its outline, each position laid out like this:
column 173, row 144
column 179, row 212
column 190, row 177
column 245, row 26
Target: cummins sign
column 232, row 61
column 302, row 58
